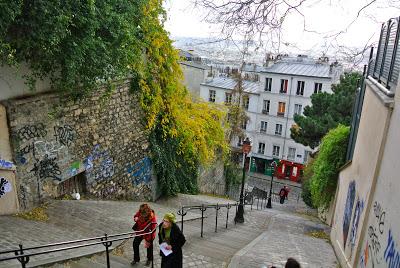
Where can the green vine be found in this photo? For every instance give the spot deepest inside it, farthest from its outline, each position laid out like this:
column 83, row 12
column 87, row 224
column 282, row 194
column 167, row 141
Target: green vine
column 81, row 45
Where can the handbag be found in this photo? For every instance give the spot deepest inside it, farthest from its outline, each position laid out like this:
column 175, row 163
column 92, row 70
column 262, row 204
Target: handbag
column 134, row 227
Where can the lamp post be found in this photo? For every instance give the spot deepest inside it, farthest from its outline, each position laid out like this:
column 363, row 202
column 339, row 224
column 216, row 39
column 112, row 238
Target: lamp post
column 246, row 148
column 269, row 203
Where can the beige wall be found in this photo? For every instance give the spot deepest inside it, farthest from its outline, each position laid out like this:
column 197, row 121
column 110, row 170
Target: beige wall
column 193, row 77
column 356, row 179
column 380, row 243
column 8, row 194
column 12, row 82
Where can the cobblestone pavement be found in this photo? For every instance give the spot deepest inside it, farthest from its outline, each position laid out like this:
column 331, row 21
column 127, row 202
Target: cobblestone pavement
column 286, row 236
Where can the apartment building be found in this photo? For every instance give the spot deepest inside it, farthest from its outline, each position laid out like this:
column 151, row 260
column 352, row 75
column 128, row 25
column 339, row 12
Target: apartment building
column 273, row 95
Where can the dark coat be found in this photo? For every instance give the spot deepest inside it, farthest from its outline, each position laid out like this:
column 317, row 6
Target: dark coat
column 177, row 239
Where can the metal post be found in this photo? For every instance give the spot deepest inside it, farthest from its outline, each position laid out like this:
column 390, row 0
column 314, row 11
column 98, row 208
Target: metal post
column 252, row 200
column 182, row 221
column 202, row 217
column 107, row 245
column 216, row 217
column 239, row 215
column 258, row 200
column 227, row 215
column 269, row 204
column 22, row 260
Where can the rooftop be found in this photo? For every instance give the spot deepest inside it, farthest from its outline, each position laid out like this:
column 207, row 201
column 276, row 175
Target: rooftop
column 301, row 68
column 229, row 83
column 195, row 65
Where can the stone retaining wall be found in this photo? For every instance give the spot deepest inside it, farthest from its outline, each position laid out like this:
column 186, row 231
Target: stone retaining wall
column 100, row 141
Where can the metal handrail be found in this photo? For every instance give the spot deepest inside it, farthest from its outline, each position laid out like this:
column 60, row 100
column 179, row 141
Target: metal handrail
column 105, row 240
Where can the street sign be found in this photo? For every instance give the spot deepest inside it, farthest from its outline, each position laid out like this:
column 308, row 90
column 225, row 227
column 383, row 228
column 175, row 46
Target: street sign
column 273, row 164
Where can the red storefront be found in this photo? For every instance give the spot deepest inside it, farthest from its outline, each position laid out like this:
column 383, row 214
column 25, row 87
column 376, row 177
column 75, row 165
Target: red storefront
column 289, row 170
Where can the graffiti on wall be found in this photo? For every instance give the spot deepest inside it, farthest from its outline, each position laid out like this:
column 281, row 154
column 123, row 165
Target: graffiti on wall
column 140, row 172
column 47, row 168
column 5, row 187
column 359, row 207
column 392, row 254
column 64, row 134
column 29, row 132
column 351, row 193
column 105, row 167
column 22, row 194
column 5, row 164
column 372, row 252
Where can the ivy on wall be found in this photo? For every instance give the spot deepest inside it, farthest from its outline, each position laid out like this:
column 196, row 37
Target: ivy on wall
column 80, row 45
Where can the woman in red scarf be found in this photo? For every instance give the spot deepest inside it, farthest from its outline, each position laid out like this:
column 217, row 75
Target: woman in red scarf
column 145, row 219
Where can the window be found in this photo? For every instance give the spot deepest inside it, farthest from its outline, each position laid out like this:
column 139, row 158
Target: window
column 240, row 141
column 275, row 150
column 281, row 108
column 244, row 124
column 298, row 109
column 300, row 88
column 266, row 104
column 263, row 127
column 245, row 102
column 292, row 153
column 256, row 78
column 261, row 148
column 278, row 129
column 306, row 155
column 317, row 87
column 268, row 84
column 284, row 86
column 228, row 98
column 211, row 95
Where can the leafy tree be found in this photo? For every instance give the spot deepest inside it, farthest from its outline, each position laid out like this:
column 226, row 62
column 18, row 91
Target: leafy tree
column 326, row 112
column 80, row 45
column 331, row 156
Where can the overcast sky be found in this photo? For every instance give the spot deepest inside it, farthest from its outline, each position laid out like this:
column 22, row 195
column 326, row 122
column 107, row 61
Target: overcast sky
column 326, row 17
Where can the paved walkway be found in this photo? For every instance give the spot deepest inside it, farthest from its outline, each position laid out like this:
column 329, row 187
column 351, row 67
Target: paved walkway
column 267, row 237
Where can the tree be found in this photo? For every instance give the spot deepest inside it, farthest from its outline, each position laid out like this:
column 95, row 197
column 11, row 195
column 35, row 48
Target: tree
column 326, row 112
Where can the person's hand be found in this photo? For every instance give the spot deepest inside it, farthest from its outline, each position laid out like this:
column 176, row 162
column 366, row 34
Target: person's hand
column 146, row 244
column 168, row 247
column 135, row 218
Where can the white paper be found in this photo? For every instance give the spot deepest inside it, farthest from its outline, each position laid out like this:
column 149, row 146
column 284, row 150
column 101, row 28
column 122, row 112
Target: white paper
column 164, row 249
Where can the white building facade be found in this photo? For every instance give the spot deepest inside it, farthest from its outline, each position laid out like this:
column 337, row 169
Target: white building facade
column 276, row 94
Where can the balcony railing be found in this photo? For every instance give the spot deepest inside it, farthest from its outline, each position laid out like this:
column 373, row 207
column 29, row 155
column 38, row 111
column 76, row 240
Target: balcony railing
column 265, row 112
column 385, row 68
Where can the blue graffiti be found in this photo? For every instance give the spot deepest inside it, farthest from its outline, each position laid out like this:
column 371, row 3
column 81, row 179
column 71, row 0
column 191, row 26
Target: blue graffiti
column 356, row 219
column 392, row 255
column 104, row 169
column 351, row 193
column 140, row 172
column 5, row 164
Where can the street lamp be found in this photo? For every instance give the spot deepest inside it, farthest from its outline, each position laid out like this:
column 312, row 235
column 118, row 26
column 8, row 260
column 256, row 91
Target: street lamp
column 246, row 148
column 273, row 165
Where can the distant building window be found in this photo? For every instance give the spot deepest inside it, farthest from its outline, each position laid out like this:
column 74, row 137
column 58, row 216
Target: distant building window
column 281, row 108
column 263, row 128
column 291, row 154
column 268, row 84
column 306, row 155
column 211, row 95
column 244, row 124
column 284, row 86
column 256, row 78
column 278, row 129
column 275, row 150
column 266, row 104
column 228, row 98
column 300, row 88
column 261, row 148
column 298, row 109
column 240, row 141
column 317, row 87
column 246, row 101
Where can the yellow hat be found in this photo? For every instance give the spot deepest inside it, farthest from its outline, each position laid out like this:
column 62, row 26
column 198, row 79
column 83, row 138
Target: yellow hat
column 170, row 217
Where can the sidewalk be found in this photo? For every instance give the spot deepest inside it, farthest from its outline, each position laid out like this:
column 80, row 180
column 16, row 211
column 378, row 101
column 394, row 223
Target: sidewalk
column 286, row 236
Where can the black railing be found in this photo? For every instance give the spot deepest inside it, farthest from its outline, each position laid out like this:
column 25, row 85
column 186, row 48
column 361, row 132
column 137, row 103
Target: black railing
column 23, row 255
column 185, row 209
column 386, row 66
